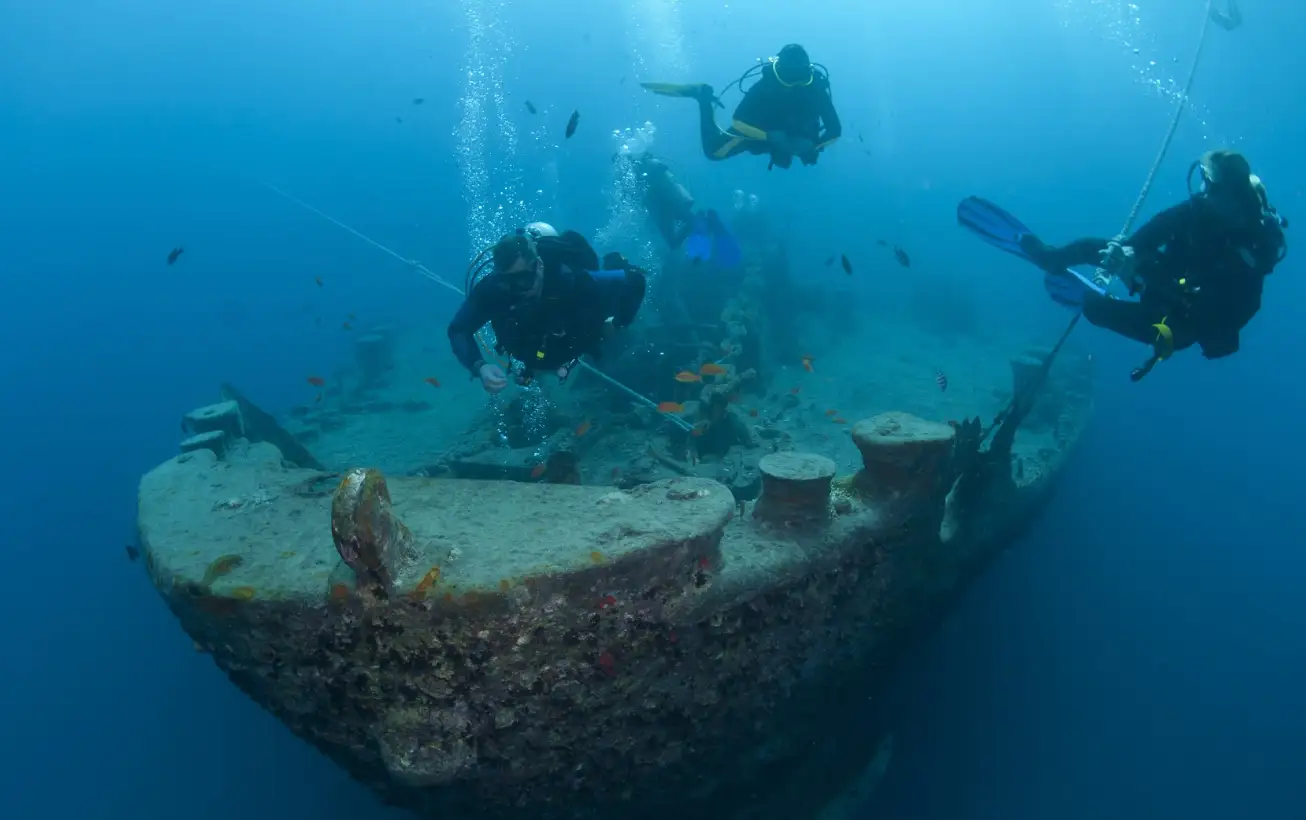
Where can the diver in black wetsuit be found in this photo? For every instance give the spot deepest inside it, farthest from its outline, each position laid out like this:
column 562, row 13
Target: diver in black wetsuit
column 1200, row 266
column 669, row 203
column 1229, row 20
column 548, row 300
column 789, row 112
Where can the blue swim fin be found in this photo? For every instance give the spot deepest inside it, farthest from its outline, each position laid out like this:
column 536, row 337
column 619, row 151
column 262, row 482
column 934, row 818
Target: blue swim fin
column 725, row 248
column 992, row 224
column 1069, row 288
column 698, row 245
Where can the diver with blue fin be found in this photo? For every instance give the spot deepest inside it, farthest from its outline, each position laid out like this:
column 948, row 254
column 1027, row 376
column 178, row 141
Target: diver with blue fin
column 1198, row 268
column 789, row 112
column 548, row 299
column 671, row 210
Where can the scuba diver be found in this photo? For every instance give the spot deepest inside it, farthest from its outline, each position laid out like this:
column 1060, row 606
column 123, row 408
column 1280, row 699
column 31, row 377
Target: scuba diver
column 548, row 300
column 671, row 209
column 1198, row 267
column 1229, row 20
column 782, row 114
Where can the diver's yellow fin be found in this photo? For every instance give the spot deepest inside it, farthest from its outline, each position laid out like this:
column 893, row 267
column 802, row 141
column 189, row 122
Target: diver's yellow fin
column 1164, row 344
column 675, row 89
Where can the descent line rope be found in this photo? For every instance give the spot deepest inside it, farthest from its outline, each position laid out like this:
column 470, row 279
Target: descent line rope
column 1037, row 382
column 413, row 264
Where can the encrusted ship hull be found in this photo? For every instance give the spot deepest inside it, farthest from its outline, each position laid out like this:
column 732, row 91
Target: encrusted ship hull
column 503, row 651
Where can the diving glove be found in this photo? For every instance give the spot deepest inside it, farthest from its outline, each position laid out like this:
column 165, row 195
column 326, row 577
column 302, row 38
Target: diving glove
column 1118, row 259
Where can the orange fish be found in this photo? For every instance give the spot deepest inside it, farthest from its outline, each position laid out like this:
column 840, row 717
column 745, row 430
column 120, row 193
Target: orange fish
column 432, row 380
column 242, row 593
column 538, row 471
column 671, row 407
column 832, row 412
column 316, row 381
column 711, row 369
column 582, row 428
column 339, row 592
column 699, row 429
column 685, row 377
column 419, row 592
column 807, row 363
column 752, row 411
column 318, row 279
column 220, row 567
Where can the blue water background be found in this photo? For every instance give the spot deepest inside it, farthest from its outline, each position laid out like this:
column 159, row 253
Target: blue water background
column 1140, row 654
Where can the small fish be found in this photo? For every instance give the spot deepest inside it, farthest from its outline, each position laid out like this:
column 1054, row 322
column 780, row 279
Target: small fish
column 418, row 100
column 941, row 380
column 583, row 428
column 399, row 120
column 671, row 407
column 752, row 411
column 847, row 266
column 538, row 471
column 242, row 593
column 316, row 381
column 882, row 243
column 839, row 420
column 132, row 553
column 829, row 261
column 832, row 412
column 174, row 253
column 419, row 592
column 572, row 123
column 317, row 399
column 711, row 369
column 220, row 567
column 687, row 377
column 622, row 81
column 795, row 390
column 339, row 592
column 351, row 317
column 860, row 138
column 318, row 280
column 901, row 256
column 530, row 106
column 596, row 557
column 317, row 322
column 699, row 429
column 807, row 364
column 346, row 326
column 432, row 380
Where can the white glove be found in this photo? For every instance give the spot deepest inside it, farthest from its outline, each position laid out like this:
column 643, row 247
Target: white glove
column 1118, row 259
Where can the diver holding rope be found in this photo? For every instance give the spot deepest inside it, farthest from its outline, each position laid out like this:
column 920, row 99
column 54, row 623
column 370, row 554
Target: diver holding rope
column 549, row 301
column 789, row 112
column 1198, row 267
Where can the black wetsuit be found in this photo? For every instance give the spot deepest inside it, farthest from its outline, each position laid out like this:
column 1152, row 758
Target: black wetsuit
column 769, row 106
column 670, row 205
column 1222, row 267
column 565, row 322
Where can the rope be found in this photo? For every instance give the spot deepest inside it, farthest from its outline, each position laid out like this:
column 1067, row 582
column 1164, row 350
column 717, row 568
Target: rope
column 1037, row 382
column 440, row 280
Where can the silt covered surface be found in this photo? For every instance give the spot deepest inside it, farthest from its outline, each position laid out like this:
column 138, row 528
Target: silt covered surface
column 549, row 650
